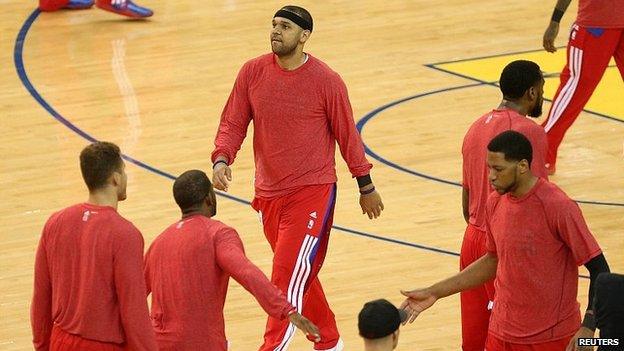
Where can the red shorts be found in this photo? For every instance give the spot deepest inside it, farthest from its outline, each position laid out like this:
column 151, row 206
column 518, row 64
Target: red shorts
column 61, row 340
column 495, row 344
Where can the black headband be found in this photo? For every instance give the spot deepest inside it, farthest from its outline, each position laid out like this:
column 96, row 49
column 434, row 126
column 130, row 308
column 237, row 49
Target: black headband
column 300, row 21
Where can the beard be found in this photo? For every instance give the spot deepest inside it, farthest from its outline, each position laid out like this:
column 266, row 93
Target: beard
column 282, row 49
column 537, row 109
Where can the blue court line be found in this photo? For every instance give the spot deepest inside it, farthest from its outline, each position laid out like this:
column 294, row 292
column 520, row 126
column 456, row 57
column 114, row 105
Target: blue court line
column 21, row 72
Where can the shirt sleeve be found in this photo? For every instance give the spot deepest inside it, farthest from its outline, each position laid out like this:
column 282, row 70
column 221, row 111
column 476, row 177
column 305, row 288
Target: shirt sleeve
column 573, row 230
column 465, row 166
column 490, row 243
column 539, row 144
column 41, row 307
column 235, row 119
column 146, row 272
column 340, row 116
column 131, row 291
column 231, row 258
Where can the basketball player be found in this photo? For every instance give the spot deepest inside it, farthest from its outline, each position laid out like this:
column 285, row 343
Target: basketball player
column 122, row 7
column 536, row 239
column 378, row 324
column 187, row 269
column 89, row 291
column 596, row 36
column 522, row 84
column 300, row 109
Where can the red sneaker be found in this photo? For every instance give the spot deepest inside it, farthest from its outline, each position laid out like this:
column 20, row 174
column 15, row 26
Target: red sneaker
column 124, row 8
column 79, row 4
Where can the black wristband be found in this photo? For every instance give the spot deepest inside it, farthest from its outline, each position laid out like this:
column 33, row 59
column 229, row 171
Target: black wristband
column 556, row 15
column 364, row 180
column 220, row 161
column 589, row 321
column 366, row 192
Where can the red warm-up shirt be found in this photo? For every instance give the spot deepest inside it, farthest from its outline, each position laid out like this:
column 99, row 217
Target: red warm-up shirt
column 89, row 279
column 601, row 13
column 298, row 116
column 474, row 153
column 187, row 269
column 540, row 240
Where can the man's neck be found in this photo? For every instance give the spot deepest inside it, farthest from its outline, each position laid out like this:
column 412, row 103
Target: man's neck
column 104, row 197
column 512, row 105
column 378, row 345
column 293, row 61
column 524, row 187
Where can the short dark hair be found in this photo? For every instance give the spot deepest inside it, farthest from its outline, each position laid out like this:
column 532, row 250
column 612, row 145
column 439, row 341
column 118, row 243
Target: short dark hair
column 301, row 12
column 191, row 188
column 518, row 76
column 98, row 161
column 379, row 318
column 515, row 146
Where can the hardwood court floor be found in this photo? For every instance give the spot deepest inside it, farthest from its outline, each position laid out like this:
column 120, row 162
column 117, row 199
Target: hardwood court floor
column 157, row 89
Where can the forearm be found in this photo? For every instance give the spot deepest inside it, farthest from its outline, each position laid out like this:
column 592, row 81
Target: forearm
column 474, row 275
column 559, row 10
column 595, row 266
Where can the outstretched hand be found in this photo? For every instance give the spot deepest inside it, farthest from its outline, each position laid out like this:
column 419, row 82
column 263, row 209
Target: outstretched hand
column 417, row 301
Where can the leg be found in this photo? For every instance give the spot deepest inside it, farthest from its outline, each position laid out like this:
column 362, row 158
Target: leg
column 619, row 54
column 588, row 54
column 298, row 230
column 475, row 315
column 52, row 5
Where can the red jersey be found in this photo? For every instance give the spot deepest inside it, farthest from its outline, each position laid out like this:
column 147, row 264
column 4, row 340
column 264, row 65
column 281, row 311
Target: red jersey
column 601, row 13
column 298, row 116
column 88, row 279
column 540, row 240
column 187, row 269
column 474, row 153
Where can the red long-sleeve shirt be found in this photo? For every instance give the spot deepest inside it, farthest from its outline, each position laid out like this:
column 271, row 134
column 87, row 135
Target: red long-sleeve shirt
column 88, row 279
column 298, row 116
column 474, row 153
column 187, row 269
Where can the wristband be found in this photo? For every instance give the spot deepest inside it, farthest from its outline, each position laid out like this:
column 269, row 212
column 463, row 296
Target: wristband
column 366, row 192
column 556, row 15
column 216, row 163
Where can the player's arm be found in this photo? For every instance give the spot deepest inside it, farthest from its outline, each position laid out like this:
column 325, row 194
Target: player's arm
column 41, row 306
column 595, row 266
column 466, row 204
column 340, row 116
column 230, row 256
column 553, row 27
column 131, row 291
column 232, row 130
column 475, row 274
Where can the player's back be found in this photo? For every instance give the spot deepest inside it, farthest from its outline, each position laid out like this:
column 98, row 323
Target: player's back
column 188, row 287
column 80, row 244
column 474, row 152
